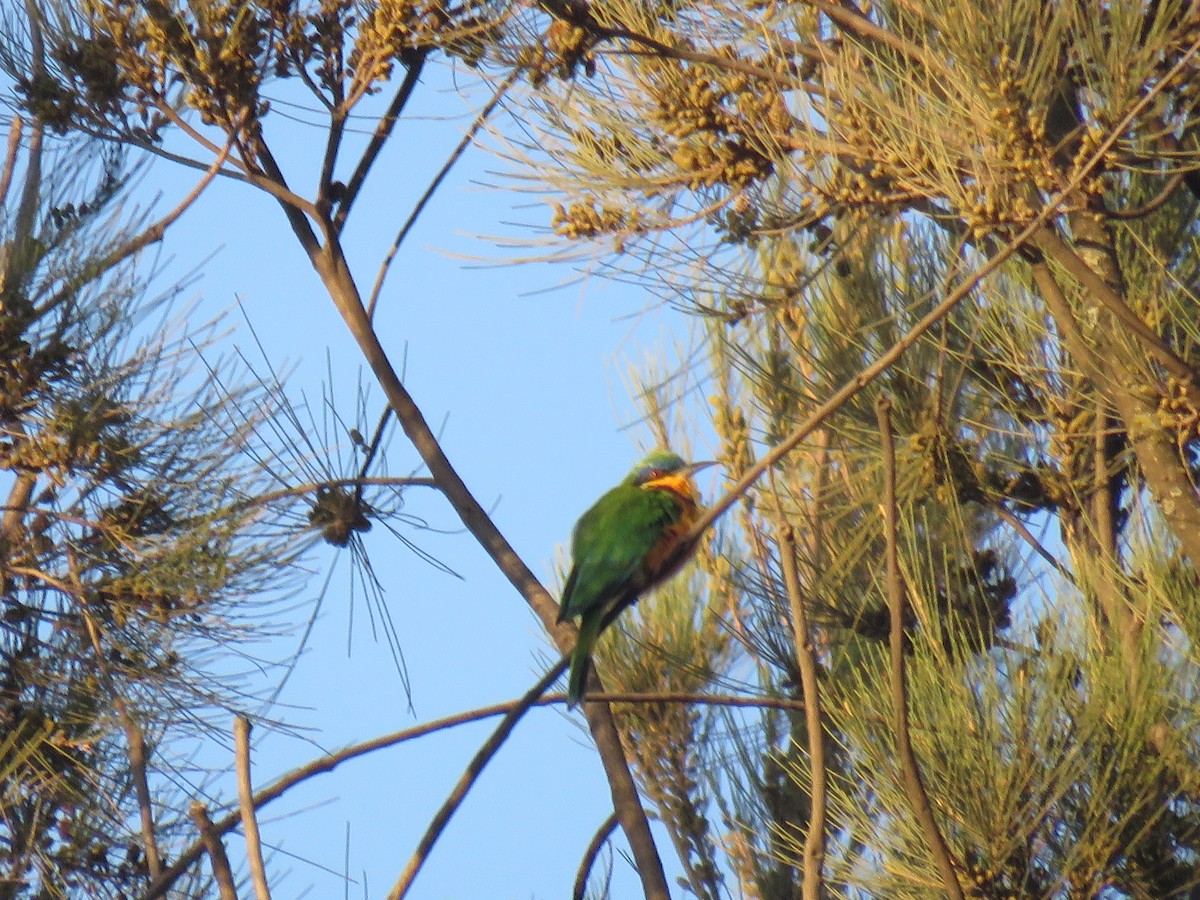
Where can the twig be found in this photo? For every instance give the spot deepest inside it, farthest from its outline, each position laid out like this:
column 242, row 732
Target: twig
column 17, row 506
column 333, row 143
column 603, row 833
column 909, row 767
column 156, row 231
column 1154, row 203
column 164, row 106
column 373, row 450
column 135, row 738
column 241, row 746
column 359, row 482
column 1024, row 533
column 10, row 156
column 454, row 157
column 328, row 763
column 215, row 849
column 806, row 658
column 484, row 755
column 25, row 219
column 682, row 697
column 300, row 212
column 383, row 129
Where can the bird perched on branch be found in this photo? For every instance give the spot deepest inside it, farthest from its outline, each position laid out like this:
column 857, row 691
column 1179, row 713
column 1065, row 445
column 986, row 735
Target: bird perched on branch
column 622, row 547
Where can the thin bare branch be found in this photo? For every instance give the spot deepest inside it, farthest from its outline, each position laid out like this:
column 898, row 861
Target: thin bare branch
column 155, row 232
column 313, row 487
column 254, row 857
column 599, row 839
column 701, row 699
column 454, row 157
column 31, row 191
column 442, row 818
column 209, row 834
column 373, row 451
column 685, row 54
column 1155, row 203
column 155, row 150
column 300, row 213
column 136, row 739
column 333, row 144
column 806, row 659
column 909, row 767
column 164, row 106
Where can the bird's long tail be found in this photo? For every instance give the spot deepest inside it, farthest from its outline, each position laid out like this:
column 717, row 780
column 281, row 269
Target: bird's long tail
column 581, row 658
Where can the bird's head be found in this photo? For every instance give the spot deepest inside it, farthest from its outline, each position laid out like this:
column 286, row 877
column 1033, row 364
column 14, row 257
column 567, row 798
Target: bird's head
column 665, row 467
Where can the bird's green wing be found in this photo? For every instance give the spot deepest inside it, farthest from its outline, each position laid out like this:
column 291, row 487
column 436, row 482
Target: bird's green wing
column 611, row 543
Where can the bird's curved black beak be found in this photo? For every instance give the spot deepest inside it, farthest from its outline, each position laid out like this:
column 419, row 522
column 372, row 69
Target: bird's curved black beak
column 692, row 468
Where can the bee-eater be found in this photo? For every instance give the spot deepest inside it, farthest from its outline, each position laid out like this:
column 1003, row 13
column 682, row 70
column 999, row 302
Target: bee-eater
column 619, row 548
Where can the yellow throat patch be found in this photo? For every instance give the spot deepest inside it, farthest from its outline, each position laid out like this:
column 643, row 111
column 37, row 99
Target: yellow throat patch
column 679, row 485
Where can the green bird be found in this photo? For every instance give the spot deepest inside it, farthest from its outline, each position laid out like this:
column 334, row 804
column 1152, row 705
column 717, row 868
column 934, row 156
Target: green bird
column 619, row 548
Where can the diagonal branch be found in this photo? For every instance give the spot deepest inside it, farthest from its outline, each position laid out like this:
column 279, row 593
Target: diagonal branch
column 889, row 357
column 454, row 157
column 294, row 206
column 909, row 767
column 1010, row 519
column 150, row 235
column 851, row 20
column 222, row 872
column 484, row 755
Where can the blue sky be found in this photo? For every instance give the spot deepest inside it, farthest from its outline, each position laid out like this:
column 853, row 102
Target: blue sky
column 532, row 383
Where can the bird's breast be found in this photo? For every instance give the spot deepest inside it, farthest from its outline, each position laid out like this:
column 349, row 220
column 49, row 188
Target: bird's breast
column 669, row 542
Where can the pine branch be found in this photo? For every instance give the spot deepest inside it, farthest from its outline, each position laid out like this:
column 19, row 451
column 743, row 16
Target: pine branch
column 909, row 767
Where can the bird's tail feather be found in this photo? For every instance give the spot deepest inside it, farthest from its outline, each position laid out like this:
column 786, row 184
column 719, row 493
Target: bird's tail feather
column 581, row 659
